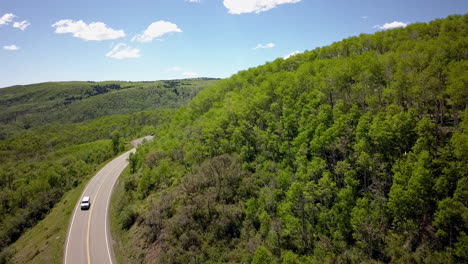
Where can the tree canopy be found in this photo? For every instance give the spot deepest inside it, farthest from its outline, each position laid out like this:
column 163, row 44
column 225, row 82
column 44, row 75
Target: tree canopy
column 351, row 153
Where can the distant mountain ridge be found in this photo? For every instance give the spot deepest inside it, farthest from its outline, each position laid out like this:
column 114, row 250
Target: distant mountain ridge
column 26, row 106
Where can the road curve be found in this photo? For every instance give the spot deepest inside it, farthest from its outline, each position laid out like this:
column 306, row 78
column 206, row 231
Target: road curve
column 89, row 238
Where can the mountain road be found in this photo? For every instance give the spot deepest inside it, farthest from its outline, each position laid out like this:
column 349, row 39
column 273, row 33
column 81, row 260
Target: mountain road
column 89, row 239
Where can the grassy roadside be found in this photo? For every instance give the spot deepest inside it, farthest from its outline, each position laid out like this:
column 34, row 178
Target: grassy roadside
column 128, row 245
column 117, row 233
column 44, row 243
column 122, row 240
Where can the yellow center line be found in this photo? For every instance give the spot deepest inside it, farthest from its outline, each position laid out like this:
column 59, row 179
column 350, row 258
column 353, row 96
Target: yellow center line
column 91, row 213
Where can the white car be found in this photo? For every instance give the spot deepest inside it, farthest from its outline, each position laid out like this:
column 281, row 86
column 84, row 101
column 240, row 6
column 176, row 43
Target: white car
column 85, row 203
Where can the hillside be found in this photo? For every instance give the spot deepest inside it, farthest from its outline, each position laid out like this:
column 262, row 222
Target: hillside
column 23, row 107
column 351, row 153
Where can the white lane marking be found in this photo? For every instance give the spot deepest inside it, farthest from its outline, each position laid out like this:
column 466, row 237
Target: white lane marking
column 88, row 251
column 77, row 207
column 76, row 210
column 107, row 210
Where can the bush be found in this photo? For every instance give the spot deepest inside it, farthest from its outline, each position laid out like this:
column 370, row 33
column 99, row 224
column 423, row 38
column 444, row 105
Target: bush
column 128, row 217
column 5, row 255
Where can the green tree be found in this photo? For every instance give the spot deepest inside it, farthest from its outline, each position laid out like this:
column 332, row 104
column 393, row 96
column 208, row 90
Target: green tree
column 262, row 255
column 116, row 145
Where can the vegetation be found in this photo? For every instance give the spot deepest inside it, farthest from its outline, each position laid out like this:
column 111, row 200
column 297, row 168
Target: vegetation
column 351, row 153
column 23, row 107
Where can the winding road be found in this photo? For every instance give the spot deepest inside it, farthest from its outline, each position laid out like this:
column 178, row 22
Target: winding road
column 89, row 239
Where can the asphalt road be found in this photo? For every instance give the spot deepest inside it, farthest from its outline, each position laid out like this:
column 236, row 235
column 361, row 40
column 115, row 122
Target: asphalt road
column 89, row 238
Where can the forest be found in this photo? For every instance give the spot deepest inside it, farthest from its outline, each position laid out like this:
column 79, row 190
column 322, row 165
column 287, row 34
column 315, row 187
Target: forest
column 356, row 152
column 41, row 162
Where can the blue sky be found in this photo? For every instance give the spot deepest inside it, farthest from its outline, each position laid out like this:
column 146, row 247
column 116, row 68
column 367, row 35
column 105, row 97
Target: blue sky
column 62, row 40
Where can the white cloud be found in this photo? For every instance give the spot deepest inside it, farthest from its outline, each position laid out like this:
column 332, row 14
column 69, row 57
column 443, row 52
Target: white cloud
column 364, row 17
column 189, row 74
column 156, row 30
column 394, row 24
column 193, row 1
column 6, row 19
column 21, row 25
column 237, row 7
column 294, row 53
column 265, row 46
column 10, row 47
column 122, row 51
column 93, row 31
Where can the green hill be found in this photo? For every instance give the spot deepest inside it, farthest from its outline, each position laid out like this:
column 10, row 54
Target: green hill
column 351, row 153
column 23, row 107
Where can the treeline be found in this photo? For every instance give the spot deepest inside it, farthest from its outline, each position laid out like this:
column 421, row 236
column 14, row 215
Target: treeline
column 24, row 107
column 39, row 165
column 352, row 153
